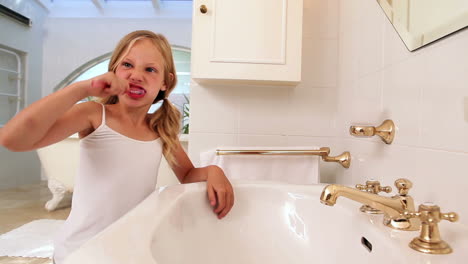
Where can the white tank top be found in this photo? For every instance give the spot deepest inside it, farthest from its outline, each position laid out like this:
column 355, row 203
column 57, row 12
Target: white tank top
column 115, row 174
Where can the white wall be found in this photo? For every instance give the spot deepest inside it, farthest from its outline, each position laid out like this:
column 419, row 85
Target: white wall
column 23, row 168
column 71, row 42
column 356, row 70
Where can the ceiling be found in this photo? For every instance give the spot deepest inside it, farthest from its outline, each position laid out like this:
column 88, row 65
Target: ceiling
column 117, row 8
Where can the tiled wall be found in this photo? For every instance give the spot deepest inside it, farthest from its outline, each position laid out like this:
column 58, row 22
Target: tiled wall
column 356, row 70
column 422, row 92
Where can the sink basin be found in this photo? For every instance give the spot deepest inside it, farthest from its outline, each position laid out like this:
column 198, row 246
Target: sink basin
column 270, row 223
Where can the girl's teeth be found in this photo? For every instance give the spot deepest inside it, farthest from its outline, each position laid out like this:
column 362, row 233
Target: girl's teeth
column 136, row 92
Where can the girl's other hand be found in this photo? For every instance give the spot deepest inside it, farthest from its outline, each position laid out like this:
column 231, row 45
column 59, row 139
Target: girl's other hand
column 220, row 192
column 107, row 84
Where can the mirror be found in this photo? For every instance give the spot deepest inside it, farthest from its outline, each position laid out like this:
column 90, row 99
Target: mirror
column 420, row 22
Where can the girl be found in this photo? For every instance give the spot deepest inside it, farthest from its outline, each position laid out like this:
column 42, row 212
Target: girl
column 121, row 144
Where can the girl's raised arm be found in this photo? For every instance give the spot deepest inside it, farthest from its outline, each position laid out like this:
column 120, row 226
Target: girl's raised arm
column 57, row 116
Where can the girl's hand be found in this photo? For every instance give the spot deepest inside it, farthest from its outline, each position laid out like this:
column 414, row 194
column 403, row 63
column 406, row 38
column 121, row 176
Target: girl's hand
column 107, row 84
column 220, row 192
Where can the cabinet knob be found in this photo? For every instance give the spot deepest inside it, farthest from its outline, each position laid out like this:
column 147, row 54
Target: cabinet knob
column 203, row 9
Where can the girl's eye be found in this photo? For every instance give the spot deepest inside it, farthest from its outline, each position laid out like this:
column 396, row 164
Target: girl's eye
column 151, row 70
column 126, row 65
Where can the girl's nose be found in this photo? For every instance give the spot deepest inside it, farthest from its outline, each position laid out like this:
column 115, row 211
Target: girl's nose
column 135, row 76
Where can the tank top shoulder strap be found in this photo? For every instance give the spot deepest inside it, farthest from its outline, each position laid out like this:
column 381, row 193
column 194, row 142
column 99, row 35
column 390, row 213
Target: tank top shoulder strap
column 103, row 118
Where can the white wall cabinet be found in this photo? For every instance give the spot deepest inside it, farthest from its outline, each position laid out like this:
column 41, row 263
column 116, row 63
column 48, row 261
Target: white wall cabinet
column 254, row 41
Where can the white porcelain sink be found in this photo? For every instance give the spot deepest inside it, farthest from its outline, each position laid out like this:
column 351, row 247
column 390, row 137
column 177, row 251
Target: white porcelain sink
column 270, row 223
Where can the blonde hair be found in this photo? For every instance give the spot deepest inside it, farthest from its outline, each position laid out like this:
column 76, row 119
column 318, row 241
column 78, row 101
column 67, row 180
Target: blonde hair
column 166, row 120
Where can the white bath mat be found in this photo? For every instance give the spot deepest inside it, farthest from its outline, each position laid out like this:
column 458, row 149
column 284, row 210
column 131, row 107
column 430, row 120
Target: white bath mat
column 32, row 240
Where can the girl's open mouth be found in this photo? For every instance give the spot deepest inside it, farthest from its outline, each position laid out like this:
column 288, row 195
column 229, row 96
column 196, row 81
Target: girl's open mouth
column 136, row 92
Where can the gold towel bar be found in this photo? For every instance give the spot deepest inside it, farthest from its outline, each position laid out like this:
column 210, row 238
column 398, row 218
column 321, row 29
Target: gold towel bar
column 344, row 159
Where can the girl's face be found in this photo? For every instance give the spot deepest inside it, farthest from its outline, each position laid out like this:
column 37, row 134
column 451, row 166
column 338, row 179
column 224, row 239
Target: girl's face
column 143, row 68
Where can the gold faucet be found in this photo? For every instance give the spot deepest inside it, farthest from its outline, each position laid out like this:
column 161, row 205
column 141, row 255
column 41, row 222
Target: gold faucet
column 393, row 207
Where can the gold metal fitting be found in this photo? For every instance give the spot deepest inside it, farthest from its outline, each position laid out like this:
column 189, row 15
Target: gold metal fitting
column 372, row 186
column 429, row 241
column 402, row 223
column 393, row 207
column 386, row 131
column 344, row 158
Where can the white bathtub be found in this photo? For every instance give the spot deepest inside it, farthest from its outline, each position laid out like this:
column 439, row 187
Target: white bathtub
column 270, row 223
column 60, row 162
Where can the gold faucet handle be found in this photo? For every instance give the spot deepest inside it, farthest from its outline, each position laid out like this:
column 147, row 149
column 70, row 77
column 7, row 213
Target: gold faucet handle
column 452, row 216
column 373, row 186
column 430, row 213
column 429, row 241
column 403, row 186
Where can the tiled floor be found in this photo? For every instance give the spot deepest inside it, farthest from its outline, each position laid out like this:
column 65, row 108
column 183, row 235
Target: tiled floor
column 22, row 205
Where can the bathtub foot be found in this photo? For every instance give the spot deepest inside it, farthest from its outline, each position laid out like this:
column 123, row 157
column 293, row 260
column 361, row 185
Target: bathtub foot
column 58, row 191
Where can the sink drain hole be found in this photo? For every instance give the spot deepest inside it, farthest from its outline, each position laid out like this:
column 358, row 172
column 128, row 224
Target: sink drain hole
column 366, row 244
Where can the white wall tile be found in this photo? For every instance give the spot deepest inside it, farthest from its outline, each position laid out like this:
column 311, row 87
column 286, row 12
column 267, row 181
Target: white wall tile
column 320, row 19
column 345, row 116
column 214, row 109
column 371, row 34
column 349, row 15
column 319, row 62
column 349, row 40
column 443, row 125
column 367, row 100
column 394, row 49
column 263, row 110
column 311, row 112
column 263, row 140
column 312, row 141
column 402, row 88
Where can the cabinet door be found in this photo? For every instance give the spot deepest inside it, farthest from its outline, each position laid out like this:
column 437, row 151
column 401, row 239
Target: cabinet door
column 249, row 40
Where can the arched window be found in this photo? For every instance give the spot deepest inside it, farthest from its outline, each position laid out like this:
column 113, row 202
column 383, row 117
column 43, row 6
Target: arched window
column 180, row 96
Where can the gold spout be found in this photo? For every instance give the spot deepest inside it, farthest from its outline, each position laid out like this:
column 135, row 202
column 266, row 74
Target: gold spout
column 392, row 207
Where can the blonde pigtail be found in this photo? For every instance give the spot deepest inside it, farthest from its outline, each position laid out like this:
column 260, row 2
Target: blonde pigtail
column 166, row 122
